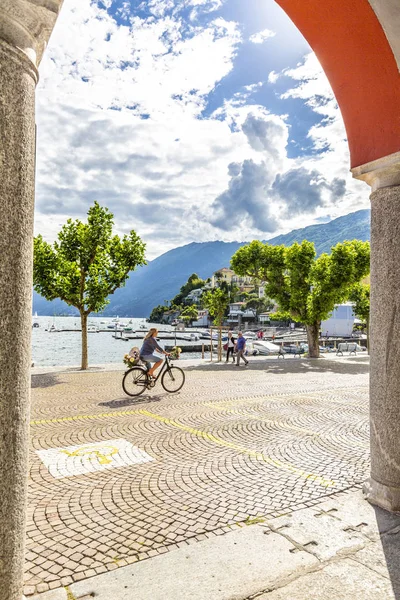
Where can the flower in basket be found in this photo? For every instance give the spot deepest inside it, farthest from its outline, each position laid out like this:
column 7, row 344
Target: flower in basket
column 132, row 359
column 175, row 352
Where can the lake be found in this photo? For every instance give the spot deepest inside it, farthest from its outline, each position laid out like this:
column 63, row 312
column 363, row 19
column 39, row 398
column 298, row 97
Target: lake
column 63, row 348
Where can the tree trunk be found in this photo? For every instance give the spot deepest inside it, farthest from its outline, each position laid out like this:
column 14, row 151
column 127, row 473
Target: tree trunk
column 219, row 343
column 313, row 339
column 84, row 362
column 367, row 334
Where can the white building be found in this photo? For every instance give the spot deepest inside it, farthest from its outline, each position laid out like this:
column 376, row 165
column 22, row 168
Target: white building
column 203, row 318
column 236, row 313
column 340, row 323
column 194, row 296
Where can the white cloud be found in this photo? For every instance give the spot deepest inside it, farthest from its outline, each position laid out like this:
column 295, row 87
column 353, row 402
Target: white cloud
column 261, row 36
column 273, row 77
column 120, row 121
column 328, row 137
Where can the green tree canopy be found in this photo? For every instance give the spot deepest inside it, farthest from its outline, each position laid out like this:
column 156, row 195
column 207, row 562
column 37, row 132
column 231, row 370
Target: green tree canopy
column 86, row 264
column 216, row 301
column 157, row 314
column 256, row 304
column 189, row 314
column 360, row 296
column 305, row 287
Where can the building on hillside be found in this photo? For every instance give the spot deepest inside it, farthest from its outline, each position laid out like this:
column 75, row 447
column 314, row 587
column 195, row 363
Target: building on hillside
column 264, row 318
column 194, row 297
column 170, row 316
column 223, row 274
column 245, row 284
column 236, row 315
column 340, row 323
column 203, row 319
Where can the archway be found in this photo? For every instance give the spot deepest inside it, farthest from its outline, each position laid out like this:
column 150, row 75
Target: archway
column 359, row 49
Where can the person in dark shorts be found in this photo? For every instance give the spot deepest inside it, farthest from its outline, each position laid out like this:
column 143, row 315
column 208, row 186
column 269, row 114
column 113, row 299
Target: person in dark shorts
column 147, row 355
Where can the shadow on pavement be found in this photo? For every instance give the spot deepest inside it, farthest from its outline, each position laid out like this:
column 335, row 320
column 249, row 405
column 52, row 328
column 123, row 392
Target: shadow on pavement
column 138, row 401
column 390, row 541
column 291, row 365
column 45, row 381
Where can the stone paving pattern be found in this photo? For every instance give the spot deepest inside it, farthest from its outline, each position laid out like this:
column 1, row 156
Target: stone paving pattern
column 233, row 446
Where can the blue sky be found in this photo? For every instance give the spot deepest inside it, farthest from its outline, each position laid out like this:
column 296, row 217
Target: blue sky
column 192, row 120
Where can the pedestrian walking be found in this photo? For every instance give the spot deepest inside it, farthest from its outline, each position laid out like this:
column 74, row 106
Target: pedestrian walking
column 230, row 346
column 240, row 349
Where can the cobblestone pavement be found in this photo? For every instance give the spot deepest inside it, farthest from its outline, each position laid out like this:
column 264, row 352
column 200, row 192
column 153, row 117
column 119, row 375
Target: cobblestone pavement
column 133, row 478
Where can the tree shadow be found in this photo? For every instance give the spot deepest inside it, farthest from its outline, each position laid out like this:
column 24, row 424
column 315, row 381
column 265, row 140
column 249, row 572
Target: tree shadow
column 356, row 366
column 45, row 380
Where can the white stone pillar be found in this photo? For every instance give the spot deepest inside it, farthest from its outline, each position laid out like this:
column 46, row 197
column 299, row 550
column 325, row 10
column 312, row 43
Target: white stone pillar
column 383, row 175
column 24, row 29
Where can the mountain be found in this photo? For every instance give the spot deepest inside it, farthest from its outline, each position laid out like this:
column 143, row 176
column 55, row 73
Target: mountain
column 161, row 279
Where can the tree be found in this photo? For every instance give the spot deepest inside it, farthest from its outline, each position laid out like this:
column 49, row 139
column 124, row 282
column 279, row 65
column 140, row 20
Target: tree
column 189, row 314
column 86, row 265
column 359, row 295
column 157, row 314
column 217, row 301
column 306, row 288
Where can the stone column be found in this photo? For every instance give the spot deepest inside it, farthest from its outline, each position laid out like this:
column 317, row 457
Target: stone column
column 17, row 121
column 383, row 175
column 24, row 29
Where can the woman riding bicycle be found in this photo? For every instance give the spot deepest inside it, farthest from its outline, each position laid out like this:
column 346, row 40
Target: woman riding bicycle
column 150, row 344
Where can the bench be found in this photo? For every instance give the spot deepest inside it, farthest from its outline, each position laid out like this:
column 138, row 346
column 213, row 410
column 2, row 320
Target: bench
column 350, row 347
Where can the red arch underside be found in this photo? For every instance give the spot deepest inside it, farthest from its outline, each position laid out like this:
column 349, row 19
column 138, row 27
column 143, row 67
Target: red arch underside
column 359, row 63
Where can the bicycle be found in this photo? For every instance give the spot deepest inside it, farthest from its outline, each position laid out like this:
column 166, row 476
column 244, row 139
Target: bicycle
column 136, row 380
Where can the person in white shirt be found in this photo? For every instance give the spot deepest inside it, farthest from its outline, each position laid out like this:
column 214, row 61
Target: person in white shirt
column 231, row 346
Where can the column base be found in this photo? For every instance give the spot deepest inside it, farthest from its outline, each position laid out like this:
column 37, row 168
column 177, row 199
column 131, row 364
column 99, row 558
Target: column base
column 385, row 496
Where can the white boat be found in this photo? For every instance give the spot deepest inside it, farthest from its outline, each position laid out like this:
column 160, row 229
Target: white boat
column 261, row 347
column 93, row 329
column 249, row 335
column 207, row 335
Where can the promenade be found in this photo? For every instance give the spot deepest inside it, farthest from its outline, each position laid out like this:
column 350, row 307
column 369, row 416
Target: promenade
column 124, row 485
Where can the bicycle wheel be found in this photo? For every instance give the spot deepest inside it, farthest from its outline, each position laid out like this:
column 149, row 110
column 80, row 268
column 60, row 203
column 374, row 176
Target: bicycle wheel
column 135, row 381
column 173, row 379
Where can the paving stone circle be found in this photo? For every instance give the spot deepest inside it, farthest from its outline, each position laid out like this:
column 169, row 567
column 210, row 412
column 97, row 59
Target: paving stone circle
column 232, row 447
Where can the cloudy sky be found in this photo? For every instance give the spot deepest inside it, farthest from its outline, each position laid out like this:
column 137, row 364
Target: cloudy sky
column 192, row 120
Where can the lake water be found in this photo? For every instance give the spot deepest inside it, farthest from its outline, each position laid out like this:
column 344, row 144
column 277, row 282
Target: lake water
column 62, row 348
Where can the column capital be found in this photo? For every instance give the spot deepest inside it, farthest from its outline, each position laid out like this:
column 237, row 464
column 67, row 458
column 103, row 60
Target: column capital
column 380, row 173
column 26, row 25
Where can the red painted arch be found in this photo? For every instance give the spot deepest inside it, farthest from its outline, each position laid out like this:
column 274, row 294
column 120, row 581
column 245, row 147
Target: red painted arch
column 354, row 52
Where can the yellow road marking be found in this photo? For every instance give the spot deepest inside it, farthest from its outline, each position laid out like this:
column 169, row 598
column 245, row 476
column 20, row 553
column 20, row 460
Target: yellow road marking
column 102, row 455
column 259, row 455
column 84, row 417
